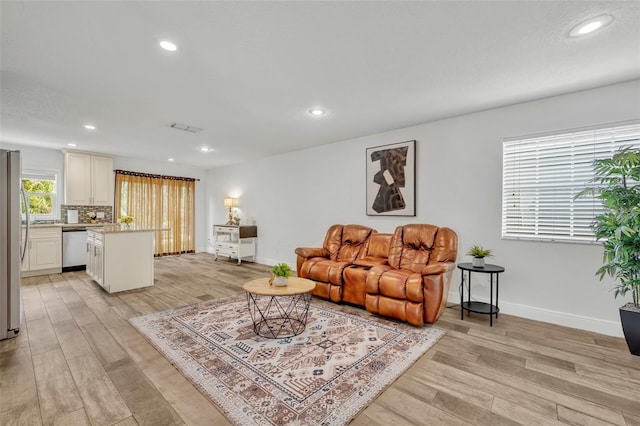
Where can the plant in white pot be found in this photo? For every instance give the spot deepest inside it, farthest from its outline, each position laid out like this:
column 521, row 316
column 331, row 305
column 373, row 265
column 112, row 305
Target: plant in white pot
column 281, row 272
column 479, row 254
column 617, row 185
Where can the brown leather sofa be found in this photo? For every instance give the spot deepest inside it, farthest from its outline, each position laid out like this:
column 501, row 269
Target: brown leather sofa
column 404, row 275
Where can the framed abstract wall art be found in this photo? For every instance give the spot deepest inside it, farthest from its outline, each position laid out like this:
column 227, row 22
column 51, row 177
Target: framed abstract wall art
column 391, row 180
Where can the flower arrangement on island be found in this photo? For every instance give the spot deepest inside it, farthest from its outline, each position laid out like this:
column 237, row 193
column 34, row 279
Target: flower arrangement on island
column 126, row 220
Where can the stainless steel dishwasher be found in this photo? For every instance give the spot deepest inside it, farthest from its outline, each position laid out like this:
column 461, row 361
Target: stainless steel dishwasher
column 74, row 248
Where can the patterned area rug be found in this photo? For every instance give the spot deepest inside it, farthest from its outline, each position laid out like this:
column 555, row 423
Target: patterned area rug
column 325, row 376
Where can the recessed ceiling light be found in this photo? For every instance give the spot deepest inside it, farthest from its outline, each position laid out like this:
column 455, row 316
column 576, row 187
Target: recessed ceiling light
column 171, row 160
column 167, row 45
column 71, row 144
column 317, row 112
column 591, row 25
column 206, row 149
column 89, row 127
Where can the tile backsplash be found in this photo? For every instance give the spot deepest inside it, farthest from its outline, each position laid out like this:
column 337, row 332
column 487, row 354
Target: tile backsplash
column 83, row 210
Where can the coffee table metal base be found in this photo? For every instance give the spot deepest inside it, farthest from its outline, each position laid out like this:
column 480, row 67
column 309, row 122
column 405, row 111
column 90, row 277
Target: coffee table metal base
column 277, row 317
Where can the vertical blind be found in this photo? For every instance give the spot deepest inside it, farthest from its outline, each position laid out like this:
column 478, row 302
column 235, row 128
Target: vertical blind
column 156, row 201
column 542, row 175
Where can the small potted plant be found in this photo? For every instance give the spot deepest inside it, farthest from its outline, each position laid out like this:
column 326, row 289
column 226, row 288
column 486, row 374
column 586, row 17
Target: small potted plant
column 479, row 254
column 281, row 272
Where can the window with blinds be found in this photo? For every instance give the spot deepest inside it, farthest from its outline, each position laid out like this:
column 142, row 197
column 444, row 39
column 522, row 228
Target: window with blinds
column 542, row 175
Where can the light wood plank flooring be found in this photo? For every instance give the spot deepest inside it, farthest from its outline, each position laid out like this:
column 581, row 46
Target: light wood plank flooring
column 78, row 361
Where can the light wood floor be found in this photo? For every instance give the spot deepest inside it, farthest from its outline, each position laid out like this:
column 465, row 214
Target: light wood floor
column 78, row 361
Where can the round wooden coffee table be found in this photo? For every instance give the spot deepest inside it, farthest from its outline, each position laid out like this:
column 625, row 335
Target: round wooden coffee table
column 279, row 312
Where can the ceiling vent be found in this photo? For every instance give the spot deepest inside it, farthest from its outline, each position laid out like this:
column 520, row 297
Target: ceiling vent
column 186, row 128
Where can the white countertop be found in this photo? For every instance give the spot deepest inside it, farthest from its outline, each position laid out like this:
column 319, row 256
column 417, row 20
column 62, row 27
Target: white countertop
column 112, row 229
column 88, row 225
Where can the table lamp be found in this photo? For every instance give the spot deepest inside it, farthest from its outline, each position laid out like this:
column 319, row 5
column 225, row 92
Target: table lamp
column 230, row 203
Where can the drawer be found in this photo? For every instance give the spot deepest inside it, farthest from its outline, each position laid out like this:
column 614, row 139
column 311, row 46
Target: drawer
column 45, row 232
column 226, row 229
column 227, row 252
column 226, row 246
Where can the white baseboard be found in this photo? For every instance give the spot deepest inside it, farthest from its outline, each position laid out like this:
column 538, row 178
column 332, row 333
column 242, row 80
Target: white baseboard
column 261, row 260
column 271, row 262
column 610, row 328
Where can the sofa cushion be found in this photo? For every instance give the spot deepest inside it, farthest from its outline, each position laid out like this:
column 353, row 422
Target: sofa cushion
column 375, row 251
column 345, row 242
column 411, row 246
column 354, row 238
column 379, row 245
column 401, row 284
column 323, row 270
column 333, row 241
column 445, row 246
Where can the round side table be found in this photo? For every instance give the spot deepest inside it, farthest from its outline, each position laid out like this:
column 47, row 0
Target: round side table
column 279, row 312
column 480, row 307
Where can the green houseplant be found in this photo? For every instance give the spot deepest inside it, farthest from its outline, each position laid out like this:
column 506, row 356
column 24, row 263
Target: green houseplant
column 281, row 272
column 617, row 185
column 479, row 254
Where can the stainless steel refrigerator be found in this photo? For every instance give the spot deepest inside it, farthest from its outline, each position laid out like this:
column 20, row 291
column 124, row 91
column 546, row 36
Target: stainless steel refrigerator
column 11, row 246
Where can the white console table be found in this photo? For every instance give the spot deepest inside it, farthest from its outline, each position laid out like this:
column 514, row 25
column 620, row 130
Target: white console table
column 235, row 241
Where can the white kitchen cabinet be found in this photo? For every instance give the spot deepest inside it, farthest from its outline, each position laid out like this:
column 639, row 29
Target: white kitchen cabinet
column 235, row 241
column 88, row 179
column 102, row 180
column 44, row 252
column 95, row 258
column 120, row 260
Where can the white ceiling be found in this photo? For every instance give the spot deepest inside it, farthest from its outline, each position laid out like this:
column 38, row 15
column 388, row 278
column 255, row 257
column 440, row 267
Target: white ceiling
column 248, row 72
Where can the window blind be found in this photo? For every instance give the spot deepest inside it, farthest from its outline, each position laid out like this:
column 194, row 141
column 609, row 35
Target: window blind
column 542, row 175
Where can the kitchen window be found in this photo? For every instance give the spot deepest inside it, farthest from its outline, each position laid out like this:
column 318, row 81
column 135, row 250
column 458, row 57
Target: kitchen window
column 41, row 190
column 542, row 175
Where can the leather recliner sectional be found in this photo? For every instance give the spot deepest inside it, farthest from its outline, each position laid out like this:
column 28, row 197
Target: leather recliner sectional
column 404, row 275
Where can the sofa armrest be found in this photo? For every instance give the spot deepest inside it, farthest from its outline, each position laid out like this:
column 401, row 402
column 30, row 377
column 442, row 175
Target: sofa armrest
column 437, row 268
column 309, row 252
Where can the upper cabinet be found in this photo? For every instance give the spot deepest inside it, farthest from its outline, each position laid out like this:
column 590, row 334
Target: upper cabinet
column 102, row 180
column 88, row 179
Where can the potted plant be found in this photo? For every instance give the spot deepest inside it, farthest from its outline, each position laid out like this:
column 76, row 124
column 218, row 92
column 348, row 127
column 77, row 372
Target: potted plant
column 281, row 272
column 479, row 254
column 617, row 184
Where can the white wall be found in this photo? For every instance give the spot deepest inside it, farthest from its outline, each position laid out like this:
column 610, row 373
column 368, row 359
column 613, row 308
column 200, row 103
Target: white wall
column 295, row 197
column 36, row 158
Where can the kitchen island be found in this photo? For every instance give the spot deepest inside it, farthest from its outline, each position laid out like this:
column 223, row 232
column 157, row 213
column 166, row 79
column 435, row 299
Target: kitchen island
column 120, row 258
